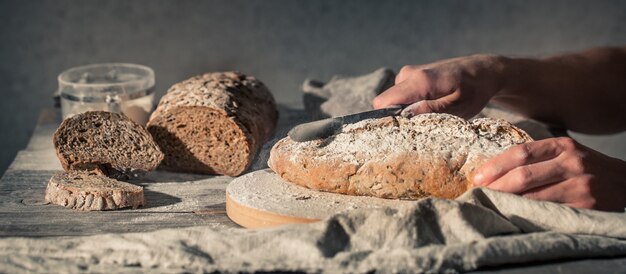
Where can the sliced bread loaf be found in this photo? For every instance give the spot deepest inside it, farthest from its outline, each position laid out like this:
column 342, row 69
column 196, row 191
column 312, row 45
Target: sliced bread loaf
column 106, row 143
column 396, row 157
column 214, row 123
column 84, row 190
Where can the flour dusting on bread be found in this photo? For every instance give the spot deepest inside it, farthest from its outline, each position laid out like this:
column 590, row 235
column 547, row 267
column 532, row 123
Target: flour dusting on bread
column 439, row 134
column 396, row 157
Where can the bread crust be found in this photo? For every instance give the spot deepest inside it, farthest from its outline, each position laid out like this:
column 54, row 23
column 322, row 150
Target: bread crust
column 88, row 191
column 236, row 111
column 429, row 155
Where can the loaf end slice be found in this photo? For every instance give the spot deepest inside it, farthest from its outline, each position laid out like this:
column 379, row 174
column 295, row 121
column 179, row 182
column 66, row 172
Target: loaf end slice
column 107, row 143
column 88, row 191
column 214, row 123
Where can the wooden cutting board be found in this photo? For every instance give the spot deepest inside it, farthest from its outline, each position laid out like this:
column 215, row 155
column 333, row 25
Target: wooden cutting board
column 262, row 199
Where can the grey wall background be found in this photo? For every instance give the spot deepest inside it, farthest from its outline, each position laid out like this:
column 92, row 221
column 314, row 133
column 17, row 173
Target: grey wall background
column 280, row 42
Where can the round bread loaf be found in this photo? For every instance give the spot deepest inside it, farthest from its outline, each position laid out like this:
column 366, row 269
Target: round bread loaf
column 214, row 123
column 83, row 190
column 108, row 143
column 396, row 157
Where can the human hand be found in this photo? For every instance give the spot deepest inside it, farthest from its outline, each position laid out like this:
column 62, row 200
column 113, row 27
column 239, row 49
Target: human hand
column 559, row 170
column 460, row 86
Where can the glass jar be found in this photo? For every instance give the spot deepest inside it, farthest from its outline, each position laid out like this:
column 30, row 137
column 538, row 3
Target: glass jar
column 115, row 87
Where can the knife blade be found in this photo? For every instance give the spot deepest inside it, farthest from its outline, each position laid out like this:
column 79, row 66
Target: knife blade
column 327, row 127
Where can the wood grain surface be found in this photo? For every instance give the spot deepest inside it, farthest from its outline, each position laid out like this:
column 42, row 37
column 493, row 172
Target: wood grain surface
column 172, row 199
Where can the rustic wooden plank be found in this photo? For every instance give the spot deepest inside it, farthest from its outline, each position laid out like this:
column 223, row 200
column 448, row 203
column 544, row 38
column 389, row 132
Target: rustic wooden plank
column 39, row 224
column 36, row 160
column 23, row 190
column 49, row 120
column 172, row 200
column 49, row 116
column 40, row 153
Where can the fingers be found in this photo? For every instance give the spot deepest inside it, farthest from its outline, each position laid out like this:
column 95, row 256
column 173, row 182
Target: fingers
column 557, row 170
column 574, row 192
column 551, row 192
column 442, row 104
column 550, row 170
column 424, row 106
column 518, row 156
column 404, row 73
column 406, row 92
column 526, row 177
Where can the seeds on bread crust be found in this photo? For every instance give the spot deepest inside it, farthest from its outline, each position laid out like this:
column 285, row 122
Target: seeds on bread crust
column 213, row 123
column 87, row 191
column 396, row 157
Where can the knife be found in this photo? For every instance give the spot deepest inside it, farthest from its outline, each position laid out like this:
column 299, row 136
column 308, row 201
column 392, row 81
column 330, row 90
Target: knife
column 327, row 127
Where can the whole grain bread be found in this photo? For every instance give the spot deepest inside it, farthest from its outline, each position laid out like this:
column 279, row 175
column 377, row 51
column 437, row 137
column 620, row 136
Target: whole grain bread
column 85, row 190
column 107, row 143
column 213, row 123
column 396, row 157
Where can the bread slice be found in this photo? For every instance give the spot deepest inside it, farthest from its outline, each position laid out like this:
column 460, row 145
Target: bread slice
column 214, row 123
column 106, row 143
column 83, row 190
column 396, row 157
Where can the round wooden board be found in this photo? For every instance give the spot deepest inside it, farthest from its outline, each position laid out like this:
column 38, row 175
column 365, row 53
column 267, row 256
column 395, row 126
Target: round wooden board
column 262, row 199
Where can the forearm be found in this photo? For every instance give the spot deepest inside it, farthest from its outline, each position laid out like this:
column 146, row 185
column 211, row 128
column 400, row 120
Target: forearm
column 585, row 92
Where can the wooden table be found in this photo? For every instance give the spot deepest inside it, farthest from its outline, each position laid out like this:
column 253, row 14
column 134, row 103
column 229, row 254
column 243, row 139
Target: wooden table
column 173, row 200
